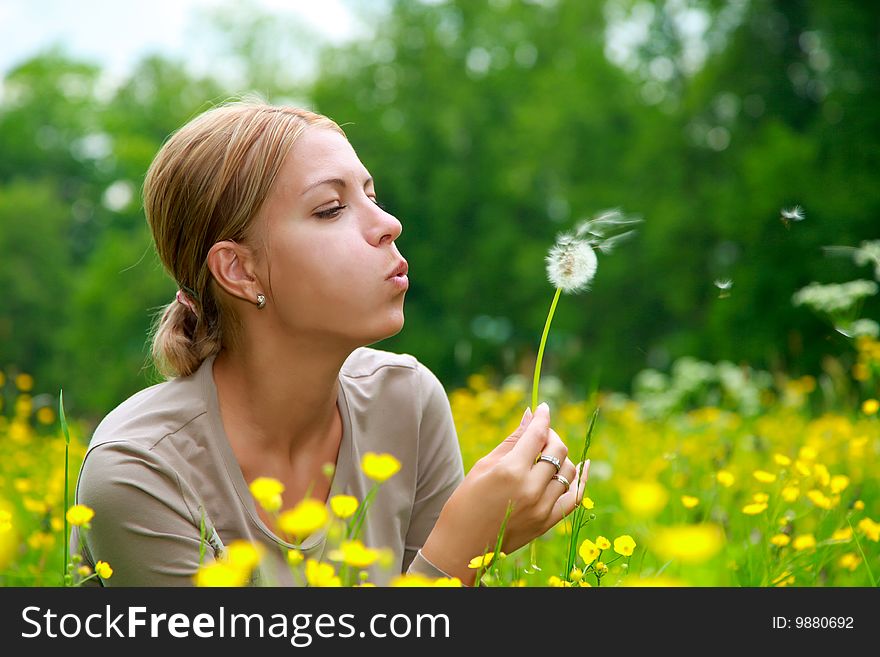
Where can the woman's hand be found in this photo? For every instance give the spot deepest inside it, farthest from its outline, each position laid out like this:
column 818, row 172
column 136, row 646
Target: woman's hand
column 469, row 522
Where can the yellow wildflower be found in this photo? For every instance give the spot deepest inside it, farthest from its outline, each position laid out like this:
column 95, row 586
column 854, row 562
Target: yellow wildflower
column 24, row 382
column 589, row 551
column 587, row 503
column 484, row 560
column 35, row 506
column 688, row 543
column 870, row 406
column 343, row 506
column 354, row 554
column 839, row 483
column 304, row 519
column 321, row 574
column 725, row 478
column 104, row 570
column 221, row 574
column 294, row 557
column 781, row 540
column 850, row 561
column 870, row 528
column 576, row 574
column 764, row 477
column 643, row 498
column 5, row 520
column 819, row 498
column 45, row 415
column 601, row 567
column 411, row 581
column 585, row 583
column 41, row 540
column 689, row 501
column 802, row 468
column 804, row 542
column 79, row 515
column 602, row 543
column 859, row 505
column 760, row 498
column 624, row 545
column 244, row 554
column 447, row 582
column 782, row 459
column 808, row 453
column 379, row 467
column 820, row 471
column 83, row 571
column 557, row 582
column 754, row 509
column 790, row 493
column 267, row 492
column 843, row 534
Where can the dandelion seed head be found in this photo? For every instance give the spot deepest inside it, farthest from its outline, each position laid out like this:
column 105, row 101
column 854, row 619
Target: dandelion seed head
column 571, row 264
column 792, row 214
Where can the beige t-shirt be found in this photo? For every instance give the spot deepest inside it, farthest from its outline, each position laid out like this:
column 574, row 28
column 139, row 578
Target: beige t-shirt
column 161, row 461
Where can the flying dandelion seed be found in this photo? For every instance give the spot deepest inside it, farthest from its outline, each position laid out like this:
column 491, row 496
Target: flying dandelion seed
column 787, row 216
column 723, row 285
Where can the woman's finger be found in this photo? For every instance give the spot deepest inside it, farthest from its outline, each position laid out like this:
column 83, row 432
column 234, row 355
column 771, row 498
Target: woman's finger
column 551, row 458
column 567, row 502
column 534, row 438
column 557, row 486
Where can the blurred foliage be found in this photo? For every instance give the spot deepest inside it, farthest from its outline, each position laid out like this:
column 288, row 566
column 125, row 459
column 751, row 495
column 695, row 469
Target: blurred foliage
column 489, row 127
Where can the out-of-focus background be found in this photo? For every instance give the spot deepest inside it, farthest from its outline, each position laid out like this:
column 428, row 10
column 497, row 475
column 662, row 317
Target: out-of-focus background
column 490, row 127
column 731, row 346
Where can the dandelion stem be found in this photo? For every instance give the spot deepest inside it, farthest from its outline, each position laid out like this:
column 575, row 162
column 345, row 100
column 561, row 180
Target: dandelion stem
column 541, row 348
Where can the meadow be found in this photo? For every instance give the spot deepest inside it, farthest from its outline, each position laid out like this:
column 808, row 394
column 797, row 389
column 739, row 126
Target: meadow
column 707, row 475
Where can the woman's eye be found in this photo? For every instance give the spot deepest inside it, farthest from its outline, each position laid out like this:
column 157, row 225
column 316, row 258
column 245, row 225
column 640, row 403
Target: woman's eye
column 330, row 213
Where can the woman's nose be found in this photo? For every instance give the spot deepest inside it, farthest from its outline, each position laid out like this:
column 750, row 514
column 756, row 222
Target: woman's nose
column 388, row 226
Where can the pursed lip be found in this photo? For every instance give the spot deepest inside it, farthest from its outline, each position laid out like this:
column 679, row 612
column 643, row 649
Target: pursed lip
column 400, row 270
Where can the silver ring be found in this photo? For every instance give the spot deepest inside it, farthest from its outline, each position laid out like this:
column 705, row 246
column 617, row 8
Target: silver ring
column 550, row 459
column 562, row 480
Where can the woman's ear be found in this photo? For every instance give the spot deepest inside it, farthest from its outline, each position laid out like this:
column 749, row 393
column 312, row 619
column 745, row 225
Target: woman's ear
column 232, row 266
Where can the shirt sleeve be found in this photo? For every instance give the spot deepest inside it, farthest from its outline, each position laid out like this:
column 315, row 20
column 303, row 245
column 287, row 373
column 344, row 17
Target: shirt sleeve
column 440, row 470
column 143, row 526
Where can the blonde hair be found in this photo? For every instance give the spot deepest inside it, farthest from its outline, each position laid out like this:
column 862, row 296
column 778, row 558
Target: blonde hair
column 206, row 185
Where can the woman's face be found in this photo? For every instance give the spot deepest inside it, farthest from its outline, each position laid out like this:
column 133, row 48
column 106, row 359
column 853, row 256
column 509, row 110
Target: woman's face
column 329, row 248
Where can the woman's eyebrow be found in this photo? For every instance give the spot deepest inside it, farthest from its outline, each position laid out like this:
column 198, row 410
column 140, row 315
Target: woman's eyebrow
column 333, row 181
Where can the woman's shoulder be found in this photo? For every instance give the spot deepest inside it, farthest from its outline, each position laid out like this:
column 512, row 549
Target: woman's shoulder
column 147, row 416
column 375, row 370
column 367, row 362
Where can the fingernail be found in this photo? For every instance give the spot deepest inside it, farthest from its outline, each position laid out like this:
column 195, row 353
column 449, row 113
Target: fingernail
column 587, row 465
column 526, row 416
column 545, row 405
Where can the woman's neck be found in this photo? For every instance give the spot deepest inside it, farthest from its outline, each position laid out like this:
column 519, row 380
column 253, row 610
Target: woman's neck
column 279, row 404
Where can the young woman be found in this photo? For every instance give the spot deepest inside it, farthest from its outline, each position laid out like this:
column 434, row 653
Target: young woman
column 287, row 268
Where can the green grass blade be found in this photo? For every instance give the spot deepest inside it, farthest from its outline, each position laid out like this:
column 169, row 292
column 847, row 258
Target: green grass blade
column 66, row 431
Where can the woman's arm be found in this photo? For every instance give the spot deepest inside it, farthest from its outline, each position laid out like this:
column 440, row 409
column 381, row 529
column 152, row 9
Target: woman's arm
column 143, row 526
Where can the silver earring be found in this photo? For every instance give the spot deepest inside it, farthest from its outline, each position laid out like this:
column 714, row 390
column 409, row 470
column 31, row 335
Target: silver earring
column 261, row 301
